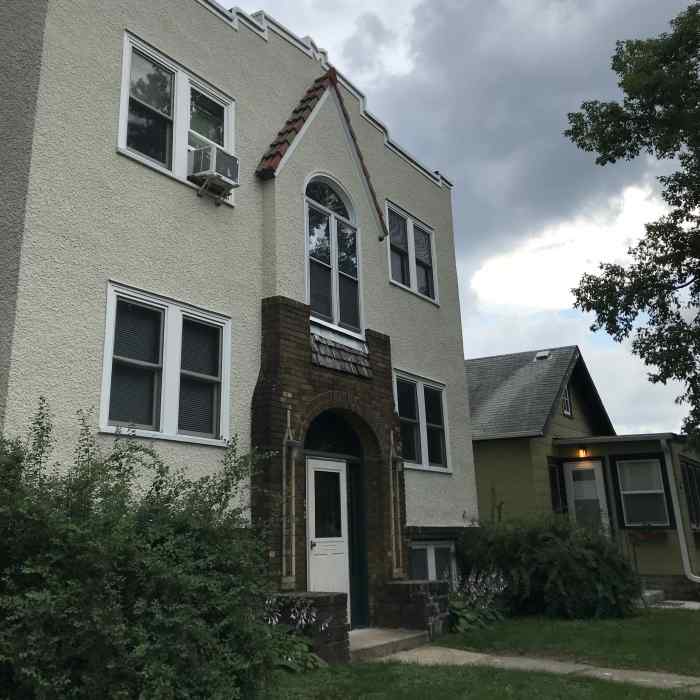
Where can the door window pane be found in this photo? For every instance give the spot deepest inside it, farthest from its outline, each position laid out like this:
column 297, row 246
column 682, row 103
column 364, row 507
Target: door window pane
column 207, row 117
column 327, row 511
column 418, row 564
column 320, row 284
column 319, row 236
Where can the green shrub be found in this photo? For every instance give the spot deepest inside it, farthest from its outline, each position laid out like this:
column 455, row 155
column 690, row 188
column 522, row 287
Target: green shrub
column 123, row 578
column 553, row 567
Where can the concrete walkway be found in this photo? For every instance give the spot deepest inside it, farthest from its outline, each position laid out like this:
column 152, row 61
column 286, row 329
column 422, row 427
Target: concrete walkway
column 430, row 655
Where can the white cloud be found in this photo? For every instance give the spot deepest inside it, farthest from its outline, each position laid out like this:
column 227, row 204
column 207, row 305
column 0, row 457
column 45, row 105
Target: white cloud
column 540, row 273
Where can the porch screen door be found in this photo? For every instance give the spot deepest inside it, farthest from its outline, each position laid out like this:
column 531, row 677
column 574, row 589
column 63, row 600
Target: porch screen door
column 585, row 491
column 327, row 526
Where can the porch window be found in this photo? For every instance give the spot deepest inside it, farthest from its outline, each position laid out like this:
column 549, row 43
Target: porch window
column 431, row 561
column 691, row 482
column 642, row 493
column 421, row 409
column 333, row 267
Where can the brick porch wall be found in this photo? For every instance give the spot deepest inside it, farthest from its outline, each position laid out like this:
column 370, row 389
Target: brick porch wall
column 289, row 381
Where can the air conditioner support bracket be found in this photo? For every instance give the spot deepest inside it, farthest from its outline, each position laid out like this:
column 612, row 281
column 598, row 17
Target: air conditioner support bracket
column 203, row 190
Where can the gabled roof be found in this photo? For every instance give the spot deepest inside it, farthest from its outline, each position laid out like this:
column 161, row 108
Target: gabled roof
column 272, row 158
column 515, row 395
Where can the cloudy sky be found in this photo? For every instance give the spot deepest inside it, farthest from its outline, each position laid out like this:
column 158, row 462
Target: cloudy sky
column 480, row 89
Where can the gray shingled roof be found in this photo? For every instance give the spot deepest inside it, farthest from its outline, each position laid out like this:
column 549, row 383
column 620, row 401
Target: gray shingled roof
column 513, row 395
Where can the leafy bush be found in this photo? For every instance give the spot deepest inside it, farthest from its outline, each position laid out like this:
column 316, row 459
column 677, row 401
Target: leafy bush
column 123, row 578
column 476, row 602
column 553, row 567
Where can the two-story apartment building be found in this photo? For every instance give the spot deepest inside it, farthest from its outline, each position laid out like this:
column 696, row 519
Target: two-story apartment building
column 312, row 311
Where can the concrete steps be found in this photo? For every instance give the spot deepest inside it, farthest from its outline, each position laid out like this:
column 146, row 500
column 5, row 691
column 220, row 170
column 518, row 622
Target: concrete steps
column 374, row 643
column 652, row 597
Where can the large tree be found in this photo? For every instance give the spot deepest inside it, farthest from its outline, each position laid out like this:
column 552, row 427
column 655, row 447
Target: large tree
column 654, row 299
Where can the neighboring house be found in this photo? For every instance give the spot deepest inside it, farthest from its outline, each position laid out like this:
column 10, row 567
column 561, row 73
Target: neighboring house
column 544, row 443
column 312, row 311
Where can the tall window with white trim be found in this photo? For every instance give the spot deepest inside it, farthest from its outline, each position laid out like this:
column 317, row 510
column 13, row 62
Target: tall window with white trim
column 411, row 253
column 166, row 111
column 642, row 492
column 333, row 266
column 166, row 368
column 421, row 409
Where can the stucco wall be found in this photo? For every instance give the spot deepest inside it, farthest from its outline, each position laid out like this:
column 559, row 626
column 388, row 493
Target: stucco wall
column 21, row 41
column 504, row 478
column 113, row 218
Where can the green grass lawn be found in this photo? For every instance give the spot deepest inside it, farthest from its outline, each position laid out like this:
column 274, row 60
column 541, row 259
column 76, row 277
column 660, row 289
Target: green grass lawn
column 382, row 681
column 655, row 640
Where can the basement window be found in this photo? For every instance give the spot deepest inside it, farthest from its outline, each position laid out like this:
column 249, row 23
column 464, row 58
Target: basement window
column 431, row 561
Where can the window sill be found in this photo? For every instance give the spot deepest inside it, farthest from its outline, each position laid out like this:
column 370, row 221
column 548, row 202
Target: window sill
column 322, row 324
column 164, row 171
column 434, row 302
column 426, row 468
column 153, row 435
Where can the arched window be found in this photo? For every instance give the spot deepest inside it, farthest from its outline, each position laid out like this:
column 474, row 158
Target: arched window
column 332, row 246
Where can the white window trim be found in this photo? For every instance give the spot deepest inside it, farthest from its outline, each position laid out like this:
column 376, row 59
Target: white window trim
column 420, row 383
column 430, row 549
column 661, row 491
column 183, row 81
column 335, row 291
column 413, row 276
column 173, row 313
column 567, row 408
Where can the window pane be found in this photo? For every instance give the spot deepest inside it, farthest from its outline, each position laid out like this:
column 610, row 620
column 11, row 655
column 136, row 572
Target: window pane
column 137, row 332
column 207, row 117
column 645, row 509
column 149, row 133
column 349, row 302
column 443, row 563
column 133, row 396
column 319, row 236
column 407, row 400
column 433, row 406
column 200, row 347
column 198, row 403
column 691, row 482
column 320, row 284
column 410, row 442
column 347, row 249
column 641, row 475
column 424, row 281
column 418, row 564
column 321, row 192
column 327, row 504
column 151, row 83
column 398, row 230
column 399, row 267
column 436, row 446
column 421, row 240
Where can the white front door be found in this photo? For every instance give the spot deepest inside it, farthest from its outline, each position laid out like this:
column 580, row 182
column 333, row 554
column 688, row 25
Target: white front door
column 327, row 526
column 585, row 493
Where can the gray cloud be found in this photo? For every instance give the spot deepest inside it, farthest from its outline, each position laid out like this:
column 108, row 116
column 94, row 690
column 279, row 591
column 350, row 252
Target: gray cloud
column 362, row 48
column 487, row 103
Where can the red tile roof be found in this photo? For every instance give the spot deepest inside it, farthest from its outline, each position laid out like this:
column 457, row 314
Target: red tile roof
column 273, row 156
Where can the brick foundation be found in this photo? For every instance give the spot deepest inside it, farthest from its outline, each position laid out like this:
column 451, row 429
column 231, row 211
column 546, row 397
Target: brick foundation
column 293, row 390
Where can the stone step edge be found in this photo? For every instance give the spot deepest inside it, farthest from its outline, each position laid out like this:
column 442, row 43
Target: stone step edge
column 379, row 651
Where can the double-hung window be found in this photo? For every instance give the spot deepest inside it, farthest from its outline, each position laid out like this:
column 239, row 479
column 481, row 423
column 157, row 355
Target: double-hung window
column 333, row 267
column 166, row 112
column 691, row 483
column 642, row 492
column 411, row 253
column 421, row 409
column 431, row 561
column 166, row 368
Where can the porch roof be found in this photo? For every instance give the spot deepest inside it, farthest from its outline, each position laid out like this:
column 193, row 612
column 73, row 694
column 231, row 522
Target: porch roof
column 602, row 439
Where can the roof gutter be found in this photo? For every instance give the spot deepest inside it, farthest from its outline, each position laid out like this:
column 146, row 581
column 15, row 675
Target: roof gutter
column 682, row 538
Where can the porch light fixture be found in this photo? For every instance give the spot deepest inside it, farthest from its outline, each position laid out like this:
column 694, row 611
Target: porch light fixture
column 582, row 452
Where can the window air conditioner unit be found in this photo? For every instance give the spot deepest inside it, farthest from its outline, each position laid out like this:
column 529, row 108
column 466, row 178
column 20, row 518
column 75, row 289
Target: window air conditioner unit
column 214, row 170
